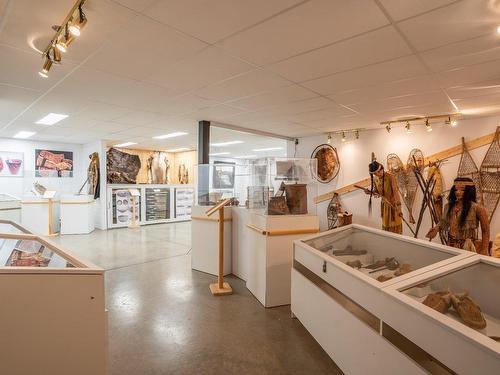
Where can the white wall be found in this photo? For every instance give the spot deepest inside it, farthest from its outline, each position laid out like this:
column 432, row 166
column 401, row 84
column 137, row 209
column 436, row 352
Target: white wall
column 18, row 186
column 355, row 155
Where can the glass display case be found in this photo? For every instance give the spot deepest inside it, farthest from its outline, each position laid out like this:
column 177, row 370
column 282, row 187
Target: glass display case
column 121, row 202
column 48, row 295
column 10, row 207
column 221, row 180
column 9, row 226
column 184, row 199
column 458, row 304
column 157, row 204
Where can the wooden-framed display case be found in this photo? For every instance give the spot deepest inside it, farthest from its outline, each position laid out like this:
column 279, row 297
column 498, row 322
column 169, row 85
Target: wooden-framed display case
column 53, row 309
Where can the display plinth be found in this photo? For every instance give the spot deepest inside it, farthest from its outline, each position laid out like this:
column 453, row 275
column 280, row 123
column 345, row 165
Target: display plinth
column 225, row 290
column 41, row 215
column 77, row 214
column 270, row 248
column 204, row 240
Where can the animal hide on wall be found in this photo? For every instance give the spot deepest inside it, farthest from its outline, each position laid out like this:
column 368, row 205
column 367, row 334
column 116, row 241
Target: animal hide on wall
column 158, row 168
column 122, row 168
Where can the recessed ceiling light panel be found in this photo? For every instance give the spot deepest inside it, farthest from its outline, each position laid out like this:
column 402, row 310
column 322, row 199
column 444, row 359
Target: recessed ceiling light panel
column 222, row 144
column 170, row 135
column 126, row 144
column 51, row 119
column 219, row 154
column 267, row 149
column 24, row 134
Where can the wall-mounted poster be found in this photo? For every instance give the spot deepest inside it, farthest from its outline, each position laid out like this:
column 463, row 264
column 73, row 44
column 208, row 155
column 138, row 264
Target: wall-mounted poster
column 50, row 163
column 11, row 164
column 223, row 176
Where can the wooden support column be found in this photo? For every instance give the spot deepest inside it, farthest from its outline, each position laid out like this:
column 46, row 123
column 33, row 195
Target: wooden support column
column 203, row 159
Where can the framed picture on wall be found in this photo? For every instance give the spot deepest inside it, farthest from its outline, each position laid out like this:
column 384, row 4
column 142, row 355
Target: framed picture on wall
column 223, row 175
column 11, row 164
column 51, row 163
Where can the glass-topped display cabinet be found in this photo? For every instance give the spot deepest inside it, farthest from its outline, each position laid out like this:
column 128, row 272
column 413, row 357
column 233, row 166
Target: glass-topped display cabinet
column 360, row 261
column 10, row 207
column 220, row 180
column 455, row 313
column 49, row 296
column 9, row 226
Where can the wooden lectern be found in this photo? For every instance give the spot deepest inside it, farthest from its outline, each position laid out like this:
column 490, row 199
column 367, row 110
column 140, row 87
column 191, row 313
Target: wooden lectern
column 220, row 288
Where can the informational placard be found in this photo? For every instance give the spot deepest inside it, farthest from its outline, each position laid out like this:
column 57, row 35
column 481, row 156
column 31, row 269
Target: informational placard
column 11, row 164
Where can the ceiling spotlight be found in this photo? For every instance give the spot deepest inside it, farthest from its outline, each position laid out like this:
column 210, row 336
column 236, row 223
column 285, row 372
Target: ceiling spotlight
column 356, row 134
column 447, row 121
column 388, row 128
column 343, row 136
column 64, row 41
column 55, row 55
column 428, row 125
column 78, row 24
column 454, row 123
column 46, row 67
column 329, row 138
column 407, row 127
column 498, row 29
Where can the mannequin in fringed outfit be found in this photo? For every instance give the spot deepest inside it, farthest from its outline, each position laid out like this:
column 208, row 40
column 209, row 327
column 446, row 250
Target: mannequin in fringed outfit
column 384, row 184
column 462, row 218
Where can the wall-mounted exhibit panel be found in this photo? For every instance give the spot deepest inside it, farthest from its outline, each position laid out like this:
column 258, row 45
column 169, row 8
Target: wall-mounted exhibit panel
column 154, row 204
column 52, row 300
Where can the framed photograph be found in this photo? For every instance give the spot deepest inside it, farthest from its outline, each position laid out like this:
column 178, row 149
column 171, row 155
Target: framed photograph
column 223, row 175
column 51, row 163
column 11, row 164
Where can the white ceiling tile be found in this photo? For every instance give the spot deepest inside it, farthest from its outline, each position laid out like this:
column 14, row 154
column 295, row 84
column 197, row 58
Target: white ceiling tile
column 213, row 113
column 138, row 118
column 486, row 105
column 469, row 74
column 458, row 55
column 397, row 69
column 214, row 20
column 485, row 88
column 311, row 25
column 403, row 87
column 243, row 85
column 209, row 66
column 137, row 5
column 14, row 100
column 404, row 9
column 137, row 51
column 460, row 21
column 270, row 98
column 374, row 47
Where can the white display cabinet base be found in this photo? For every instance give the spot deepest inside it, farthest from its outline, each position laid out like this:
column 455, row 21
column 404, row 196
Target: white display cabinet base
column 270, row 247
column 77, row 214
column 205, row 240
column 352, row 344
column 35, row 215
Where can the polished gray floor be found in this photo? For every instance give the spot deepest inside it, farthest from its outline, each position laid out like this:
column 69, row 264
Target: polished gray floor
column 163, row 319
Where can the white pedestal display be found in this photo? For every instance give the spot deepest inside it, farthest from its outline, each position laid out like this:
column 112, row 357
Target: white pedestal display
column 270, row 248
column 55, row 304
column 205, row 243
column 77, row 214
column 40, row 216
column 10, row 208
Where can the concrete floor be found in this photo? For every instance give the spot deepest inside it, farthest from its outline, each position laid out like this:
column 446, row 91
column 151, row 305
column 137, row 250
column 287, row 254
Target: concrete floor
column 163, row 319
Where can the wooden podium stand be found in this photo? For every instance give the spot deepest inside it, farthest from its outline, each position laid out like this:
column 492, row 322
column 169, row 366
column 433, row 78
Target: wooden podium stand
column 220, row 288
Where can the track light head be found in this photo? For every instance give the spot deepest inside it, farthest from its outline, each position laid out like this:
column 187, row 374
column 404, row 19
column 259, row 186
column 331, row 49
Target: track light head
column 78, row 23
column 428, row 125
column 46, row 67
column 454, row 123
column 356, row 134
column 448, row 121
column 343, row 136
column 388, row 128
column 407, row 127
column 329, row 138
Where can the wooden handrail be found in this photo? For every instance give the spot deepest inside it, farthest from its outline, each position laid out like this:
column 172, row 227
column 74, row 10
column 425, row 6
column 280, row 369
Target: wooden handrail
column 282, row 232
column 448, row 153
